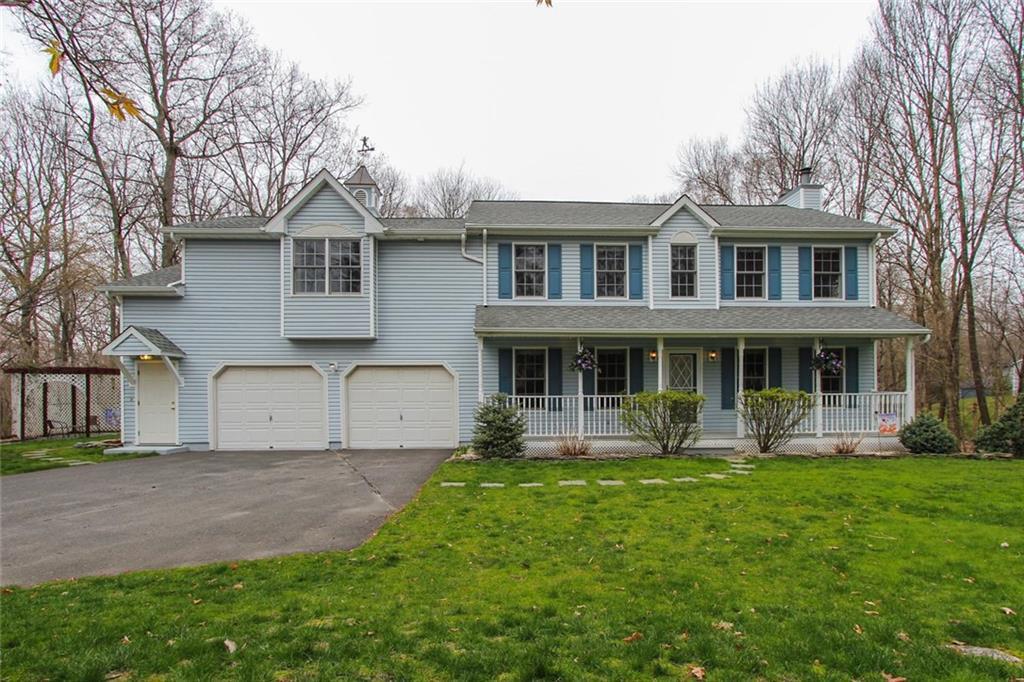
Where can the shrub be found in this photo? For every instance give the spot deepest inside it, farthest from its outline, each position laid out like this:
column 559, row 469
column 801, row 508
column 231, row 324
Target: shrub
column 572, row 446
column 847, row 443
column 1007, row 434
column 926, row 434
column 773, row 415
column 499, row 429
column 667, row 420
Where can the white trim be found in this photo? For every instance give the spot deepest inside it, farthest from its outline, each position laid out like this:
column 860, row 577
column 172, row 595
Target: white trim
column 650, row 272
column 327, row 268
column 597, row 377
column 859, row 333
column 873, row 271
column 177, row 400
column 686, row 202
column 842, row 273
column 661, row 362
column 718, row 276
column 343, row 388
column 178, row 233
column 625, row 265
column 128, row 371
column 581, row 231
column 279, row 222
column 221, row 367
column 282, row 282
column 515, row 295
column 173, row 370
column 764, row 273
column 515, row 349
column 484, row 258
column 741, row 351
column 371, row 261
column 131, row 331
column 327, row 230
column 696, row 272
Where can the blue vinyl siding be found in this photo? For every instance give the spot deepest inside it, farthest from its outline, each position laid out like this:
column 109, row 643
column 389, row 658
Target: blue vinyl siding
column 132, row 346
column 707, row 265
column 325, row 206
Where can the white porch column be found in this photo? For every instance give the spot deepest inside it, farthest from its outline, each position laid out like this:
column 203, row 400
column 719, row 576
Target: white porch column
column 579, row 394
column 816, row 392
column 741, row 346
column 661, row 363
column 910, row 386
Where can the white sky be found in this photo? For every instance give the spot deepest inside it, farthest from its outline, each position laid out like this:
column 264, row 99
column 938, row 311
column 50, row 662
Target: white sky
column 587, row 100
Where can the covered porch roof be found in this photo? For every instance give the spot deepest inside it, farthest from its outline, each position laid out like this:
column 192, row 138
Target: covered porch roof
column 619, row 320
column 144, row 343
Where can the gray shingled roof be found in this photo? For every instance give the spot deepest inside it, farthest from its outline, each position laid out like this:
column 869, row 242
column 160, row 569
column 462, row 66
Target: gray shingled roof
column 454, row 224
column 832, row 320
column 361, row 176
column 157, row 278
column 238, row 221
column 157, row 338
column 780, row 216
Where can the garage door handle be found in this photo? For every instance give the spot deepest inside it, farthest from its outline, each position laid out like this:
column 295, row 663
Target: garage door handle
column 271, row 417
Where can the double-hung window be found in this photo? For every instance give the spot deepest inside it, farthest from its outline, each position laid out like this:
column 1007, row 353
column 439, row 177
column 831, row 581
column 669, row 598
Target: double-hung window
column 828, row 272
column 834, row 382
column 684, row 271
column 750, row 269
column 613, row 374
column 755, row 369
column 610, row 272
column 530, row 371
column 530, row 269
column 326, row 266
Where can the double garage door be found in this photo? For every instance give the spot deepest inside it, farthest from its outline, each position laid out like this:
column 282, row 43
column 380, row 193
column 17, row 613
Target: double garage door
column 259, row 408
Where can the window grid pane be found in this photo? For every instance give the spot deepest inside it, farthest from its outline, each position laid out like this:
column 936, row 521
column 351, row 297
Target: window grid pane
column 750, row 272
column 345, row 267
column 834, row 382
column 611, row 375
column 530, row 268
column 308, row 275
column 530, row 369
column 611, row 271
column 828, row 273
column 755, row 369
column 684, row 271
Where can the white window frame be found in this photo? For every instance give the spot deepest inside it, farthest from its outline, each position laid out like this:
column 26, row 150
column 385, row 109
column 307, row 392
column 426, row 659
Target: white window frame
column 625, row 262
column 841, row 352
column 515, row 295
column 327, row 269
column 767, row 367
column 842, row 272
column 597, row 375
column 515, row 351
column 696, row 272
column 736, row 272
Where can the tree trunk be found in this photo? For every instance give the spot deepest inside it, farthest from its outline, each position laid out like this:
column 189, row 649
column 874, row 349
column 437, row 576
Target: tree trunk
column 169, row 252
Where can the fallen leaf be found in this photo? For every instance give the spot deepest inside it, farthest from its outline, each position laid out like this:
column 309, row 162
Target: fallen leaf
column 969, row 580
column 233, row 567
column 893, row 678
column 858, row 629
column 126, row 640
column 230, row 646
column 1004, row 545
column 722, row 625
column 684, row 635
column 633, row 637
column 1008, row 611
column 902, row 636
column 871, row 613
column 696, row 672
column 117, row 675
column 239, row 586
column 197, row 601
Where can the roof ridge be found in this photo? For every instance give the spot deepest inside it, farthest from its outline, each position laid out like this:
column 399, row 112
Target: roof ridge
column 566, row 201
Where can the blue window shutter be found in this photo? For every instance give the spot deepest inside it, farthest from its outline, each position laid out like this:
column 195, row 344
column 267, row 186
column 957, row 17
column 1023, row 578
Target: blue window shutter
column 586, row 271
column 774, row 273
column 852, row 366
column 636, row 370
column 852, row 283
column 554, row 371
column 728, row 283
column 505, row 371
column 728, row 363
column 775, row 367
column 805, row 273
column 554, row 271
column 636, row 271
column 504, row 271
column 804, row 368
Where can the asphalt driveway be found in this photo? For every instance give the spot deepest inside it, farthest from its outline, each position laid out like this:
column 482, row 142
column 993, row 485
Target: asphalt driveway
column 199, row 507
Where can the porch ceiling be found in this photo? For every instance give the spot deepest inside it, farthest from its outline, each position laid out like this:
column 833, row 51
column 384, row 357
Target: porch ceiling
column 504, row 320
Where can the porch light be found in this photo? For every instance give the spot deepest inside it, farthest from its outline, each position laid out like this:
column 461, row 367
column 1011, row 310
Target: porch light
column 712, row 356
column 145, row 357
column 653, row 355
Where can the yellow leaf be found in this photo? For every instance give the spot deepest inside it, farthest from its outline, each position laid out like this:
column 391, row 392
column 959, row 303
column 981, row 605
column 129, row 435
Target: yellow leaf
column 131, row 108
column 53, row 49
column 115, row 110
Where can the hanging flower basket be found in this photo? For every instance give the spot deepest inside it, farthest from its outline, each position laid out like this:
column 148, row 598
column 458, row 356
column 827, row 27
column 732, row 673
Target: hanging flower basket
column 824, row 361
column 583, row 361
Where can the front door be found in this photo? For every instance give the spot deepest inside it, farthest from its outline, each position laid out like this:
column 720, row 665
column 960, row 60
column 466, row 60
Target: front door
column 682, row 371
column 156, row 395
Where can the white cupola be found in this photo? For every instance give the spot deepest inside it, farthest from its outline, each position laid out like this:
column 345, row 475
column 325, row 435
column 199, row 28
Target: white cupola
column 364, row 188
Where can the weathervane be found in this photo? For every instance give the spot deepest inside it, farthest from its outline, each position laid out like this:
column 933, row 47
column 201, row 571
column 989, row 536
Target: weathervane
column 366, row 148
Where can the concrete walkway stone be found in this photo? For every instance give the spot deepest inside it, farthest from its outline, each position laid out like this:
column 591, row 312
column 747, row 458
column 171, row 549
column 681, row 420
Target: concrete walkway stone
column 717, row 477
column 742, row 466
column 453, row 484
column 653, row 481
column 685, row 479
column 742, row 472
column 610, row 482
column 573, row 482
column 531, row 485
column 492, row 485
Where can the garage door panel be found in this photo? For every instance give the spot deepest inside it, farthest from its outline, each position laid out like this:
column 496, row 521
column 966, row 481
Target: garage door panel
column 270, row 407
column 401, row 406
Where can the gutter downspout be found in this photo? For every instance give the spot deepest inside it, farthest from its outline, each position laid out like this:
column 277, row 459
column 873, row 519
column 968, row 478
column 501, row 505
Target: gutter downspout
column 650, row 272
column 474, row 259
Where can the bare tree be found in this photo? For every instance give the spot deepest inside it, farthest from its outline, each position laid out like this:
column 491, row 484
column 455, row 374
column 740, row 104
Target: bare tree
column 448, row 192
column 708, row 171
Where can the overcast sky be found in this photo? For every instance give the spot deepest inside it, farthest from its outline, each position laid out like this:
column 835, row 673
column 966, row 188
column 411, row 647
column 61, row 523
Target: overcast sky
column 587, row 100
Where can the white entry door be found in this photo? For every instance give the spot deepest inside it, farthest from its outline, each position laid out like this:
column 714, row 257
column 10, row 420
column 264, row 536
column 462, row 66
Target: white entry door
column 270, row 408
column 401, row 407
column 156, row 398
column 682, row 372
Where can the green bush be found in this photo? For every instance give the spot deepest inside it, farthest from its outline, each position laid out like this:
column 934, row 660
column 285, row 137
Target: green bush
column 926, row 434
column 667, row 420
column 1007, row 434
column 499, row 429
column 773, row 415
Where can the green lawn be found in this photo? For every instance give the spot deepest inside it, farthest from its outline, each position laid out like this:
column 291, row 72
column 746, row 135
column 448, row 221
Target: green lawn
column 807, row 569
column 13, row 460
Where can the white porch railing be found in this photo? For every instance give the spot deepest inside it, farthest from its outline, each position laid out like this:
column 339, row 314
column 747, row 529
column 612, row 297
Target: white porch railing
column 833, row 413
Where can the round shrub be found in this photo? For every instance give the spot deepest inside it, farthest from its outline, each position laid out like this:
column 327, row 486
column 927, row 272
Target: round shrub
column 927, row 435
column 499, row 429
column 1006, row 435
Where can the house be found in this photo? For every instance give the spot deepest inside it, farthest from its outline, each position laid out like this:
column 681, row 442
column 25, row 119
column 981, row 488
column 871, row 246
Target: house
column 328, row 326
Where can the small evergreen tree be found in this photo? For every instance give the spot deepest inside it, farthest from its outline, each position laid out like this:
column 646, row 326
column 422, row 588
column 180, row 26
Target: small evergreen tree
column 500, row 427
column 1007, row 434
column 927, row 435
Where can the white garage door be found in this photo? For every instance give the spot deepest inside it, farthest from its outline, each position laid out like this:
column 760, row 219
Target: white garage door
column 401, row 407
column 260, row 408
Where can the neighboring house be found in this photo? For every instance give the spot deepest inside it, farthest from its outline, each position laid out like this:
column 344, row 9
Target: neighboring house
column 326, row 325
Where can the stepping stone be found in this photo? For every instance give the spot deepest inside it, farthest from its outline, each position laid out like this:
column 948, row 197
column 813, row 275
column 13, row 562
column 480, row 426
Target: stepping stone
column 717, row 477
column 743, row 472
column 492, row 485
column 530, row 485
column 685, row 479
column 984, row 652
column 653, row 481
column 453, row 484
column 576, row 482
column 53, row 459
column 610, row 482
column 34, row 455
column 742, row 466
column 77, row 464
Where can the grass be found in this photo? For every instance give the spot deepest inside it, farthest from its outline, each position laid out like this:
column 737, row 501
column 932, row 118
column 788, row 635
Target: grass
column 807, row 569
column 13, row 460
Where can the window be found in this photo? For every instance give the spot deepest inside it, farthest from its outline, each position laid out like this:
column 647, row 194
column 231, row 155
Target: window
column 828, row 272
column 613, row 371
column 834, row 382
column 530, row 268
column 611, row 271
column 755, row 369
column 322, row 265
column 750, row 271
column 530, row 371
column 684, row 271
